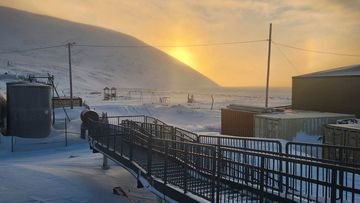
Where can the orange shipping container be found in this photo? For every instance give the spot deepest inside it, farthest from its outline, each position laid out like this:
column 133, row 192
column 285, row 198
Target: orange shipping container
column 237, row 122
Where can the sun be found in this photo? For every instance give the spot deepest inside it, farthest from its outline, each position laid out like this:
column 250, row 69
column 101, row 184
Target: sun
column 183, row 55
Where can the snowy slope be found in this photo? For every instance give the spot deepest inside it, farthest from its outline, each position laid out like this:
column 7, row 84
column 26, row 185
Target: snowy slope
column 93, row 68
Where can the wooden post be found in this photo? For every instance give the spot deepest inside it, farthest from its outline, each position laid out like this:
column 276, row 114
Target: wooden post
column 268, row 70
column 212, row 102
column 70, row 74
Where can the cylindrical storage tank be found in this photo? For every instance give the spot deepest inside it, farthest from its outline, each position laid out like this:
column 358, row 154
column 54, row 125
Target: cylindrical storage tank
column 28, row 110
column 87, row 116
column 2, row 110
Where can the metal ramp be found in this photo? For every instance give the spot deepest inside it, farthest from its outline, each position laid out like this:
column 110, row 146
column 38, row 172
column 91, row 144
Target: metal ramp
column 189, row 168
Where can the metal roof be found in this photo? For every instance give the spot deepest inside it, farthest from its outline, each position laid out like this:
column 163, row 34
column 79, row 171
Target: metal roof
column 352, row 70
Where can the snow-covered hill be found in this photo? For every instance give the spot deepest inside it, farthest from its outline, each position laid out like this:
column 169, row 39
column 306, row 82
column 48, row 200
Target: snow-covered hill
column 93, row 68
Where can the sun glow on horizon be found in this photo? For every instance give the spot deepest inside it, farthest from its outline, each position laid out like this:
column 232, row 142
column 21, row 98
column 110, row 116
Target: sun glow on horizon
column 183, row 55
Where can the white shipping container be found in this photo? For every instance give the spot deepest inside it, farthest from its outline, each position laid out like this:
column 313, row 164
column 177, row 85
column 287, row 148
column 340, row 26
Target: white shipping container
column 286, row 125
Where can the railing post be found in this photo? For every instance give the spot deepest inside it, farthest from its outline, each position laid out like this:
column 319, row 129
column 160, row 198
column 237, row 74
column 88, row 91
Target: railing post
column 149, row 155
column 286, row 169
column 123, row 131
column 280, row 181
column 166, row 162
column 173, row 135
column 213, row 180
column 108, row 133
column 185, row 167
column 132, row 134
column 341, row 172
column 218, row 171
column 333, row 185
column 65, row 130
column 246, row 161
column 262, row 171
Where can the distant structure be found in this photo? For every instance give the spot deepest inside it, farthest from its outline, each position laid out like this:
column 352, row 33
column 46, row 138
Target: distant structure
column 336, row 90
column 164, row 100
column 190, row 99
column 106, row 93
column 113, row 93
column 110, row 93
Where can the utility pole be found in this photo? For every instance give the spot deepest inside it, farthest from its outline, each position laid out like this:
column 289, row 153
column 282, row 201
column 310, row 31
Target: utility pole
column 268, row 70
column 70, row 74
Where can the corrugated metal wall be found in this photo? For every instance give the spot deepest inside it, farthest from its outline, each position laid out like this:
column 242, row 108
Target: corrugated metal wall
column 236, row 122
column 288, row 128
column 343, row 136
column 327, row 94
column 337, row 135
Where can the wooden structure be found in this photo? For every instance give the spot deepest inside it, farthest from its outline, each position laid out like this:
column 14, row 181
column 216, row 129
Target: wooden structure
column 106, row 93
column 164, row 100
column 113, row 93
column 239, row 120
column 66, row 101
column 190, row 99
column 335, row 90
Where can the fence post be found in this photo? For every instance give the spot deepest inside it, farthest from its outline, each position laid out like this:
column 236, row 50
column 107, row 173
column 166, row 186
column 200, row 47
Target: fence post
column 262, row 171
column 218, row 171
column 213, row 180
column 108, row 134
column 341, row 172
column 123, row 131
column 65, row 130
column 149, row 155
column 185, row 167
column 166, row 162
column 12, row 143
column 132, row 134
column 280, row 181
column 333, row 185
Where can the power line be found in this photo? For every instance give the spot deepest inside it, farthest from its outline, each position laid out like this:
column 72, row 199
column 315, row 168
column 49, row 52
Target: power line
column 287, row 58
column 316, row 51
column 169, row 46
column 32, row 49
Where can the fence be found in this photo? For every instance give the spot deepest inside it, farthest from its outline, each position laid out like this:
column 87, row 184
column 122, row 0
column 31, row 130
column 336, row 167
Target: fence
column 227, row 169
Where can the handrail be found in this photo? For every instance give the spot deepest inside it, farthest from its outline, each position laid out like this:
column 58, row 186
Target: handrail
column 267, row 173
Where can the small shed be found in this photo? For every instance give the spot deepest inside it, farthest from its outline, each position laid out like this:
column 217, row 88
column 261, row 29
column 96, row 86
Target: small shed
column 336, row 90
column 238, row 120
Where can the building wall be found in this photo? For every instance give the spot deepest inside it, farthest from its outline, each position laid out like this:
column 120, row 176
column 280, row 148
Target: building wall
column 288, row 128
column 237, row 123
column 328, row 94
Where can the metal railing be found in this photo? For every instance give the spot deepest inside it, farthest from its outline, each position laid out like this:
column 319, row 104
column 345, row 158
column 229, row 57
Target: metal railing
column 229, row 169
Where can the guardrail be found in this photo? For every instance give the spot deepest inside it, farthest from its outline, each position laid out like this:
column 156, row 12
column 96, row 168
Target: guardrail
column 227, row 169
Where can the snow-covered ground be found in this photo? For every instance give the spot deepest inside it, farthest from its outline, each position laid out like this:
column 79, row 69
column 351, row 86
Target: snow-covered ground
column 44, row 170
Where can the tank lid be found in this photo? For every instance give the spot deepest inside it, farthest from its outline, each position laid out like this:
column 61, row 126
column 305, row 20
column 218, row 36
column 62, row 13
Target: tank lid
column 26, row 84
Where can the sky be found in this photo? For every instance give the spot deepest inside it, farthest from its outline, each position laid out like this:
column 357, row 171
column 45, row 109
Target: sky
column 324, row 25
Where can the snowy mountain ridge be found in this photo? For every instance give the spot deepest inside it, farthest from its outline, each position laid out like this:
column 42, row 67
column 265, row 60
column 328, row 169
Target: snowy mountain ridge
column 93, row 67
